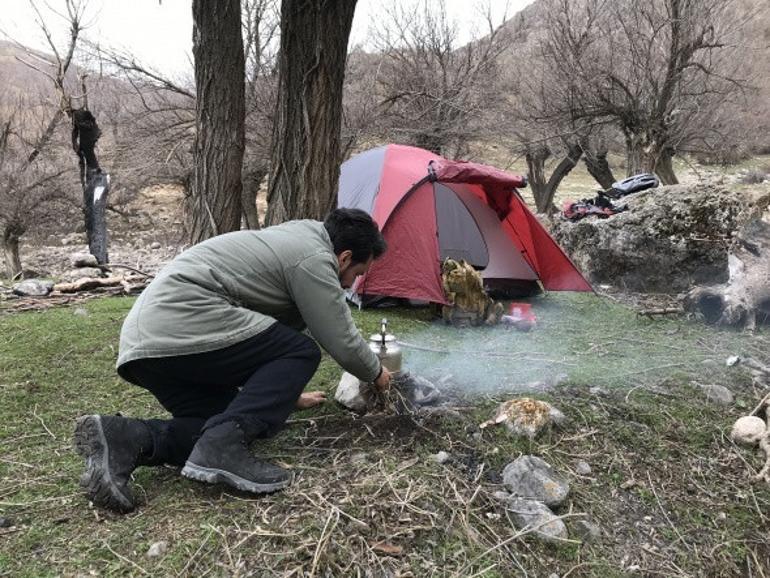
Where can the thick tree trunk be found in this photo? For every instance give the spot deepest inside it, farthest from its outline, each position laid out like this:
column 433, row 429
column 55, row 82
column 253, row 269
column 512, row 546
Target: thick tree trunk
column 214, row 204
column 662, row 165
column 11, row 237
column 595, row 159
column 536, row 157
column 304, row 168
column 634, row 154
column 252, row 181
column 544, row 191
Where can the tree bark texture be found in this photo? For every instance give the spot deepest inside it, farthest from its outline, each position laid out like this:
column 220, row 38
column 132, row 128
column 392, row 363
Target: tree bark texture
column 214, row 204
column 595, row 159
column 544, row 191
column 11, row 252
column 252, row 181
column 95, row 183
column 306, row 139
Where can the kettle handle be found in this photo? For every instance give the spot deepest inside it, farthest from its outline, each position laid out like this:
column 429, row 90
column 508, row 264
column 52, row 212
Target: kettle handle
column 384, row 329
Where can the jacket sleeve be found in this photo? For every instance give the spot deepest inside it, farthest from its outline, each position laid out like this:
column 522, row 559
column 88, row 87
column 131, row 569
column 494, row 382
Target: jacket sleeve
column 315, row 289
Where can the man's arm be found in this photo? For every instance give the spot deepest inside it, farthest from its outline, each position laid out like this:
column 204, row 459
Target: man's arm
column 316, row 291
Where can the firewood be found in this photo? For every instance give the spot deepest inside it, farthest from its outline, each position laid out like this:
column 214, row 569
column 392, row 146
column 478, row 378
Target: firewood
column 87, row 283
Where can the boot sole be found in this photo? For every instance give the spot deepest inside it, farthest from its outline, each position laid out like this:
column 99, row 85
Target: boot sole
column 214, row 476
column 91, row 443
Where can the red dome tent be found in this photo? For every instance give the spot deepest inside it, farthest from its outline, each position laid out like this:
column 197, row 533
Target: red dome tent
column 430, row 208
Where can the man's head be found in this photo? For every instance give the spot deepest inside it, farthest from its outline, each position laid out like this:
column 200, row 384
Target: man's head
column 357, row 242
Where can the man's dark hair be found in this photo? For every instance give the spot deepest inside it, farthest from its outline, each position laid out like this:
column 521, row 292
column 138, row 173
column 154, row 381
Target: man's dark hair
column 355, row 230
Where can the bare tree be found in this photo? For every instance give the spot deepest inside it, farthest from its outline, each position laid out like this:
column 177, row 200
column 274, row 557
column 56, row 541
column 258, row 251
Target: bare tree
column 85, row 131
column 27, row 189
column 654, row 69
column 433, row 92
column 304, row 168
column 214, row 206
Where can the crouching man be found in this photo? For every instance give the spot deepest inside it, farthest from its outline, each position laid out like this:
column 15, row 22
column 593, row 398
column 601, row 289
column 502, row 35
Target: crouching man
column 216, row 339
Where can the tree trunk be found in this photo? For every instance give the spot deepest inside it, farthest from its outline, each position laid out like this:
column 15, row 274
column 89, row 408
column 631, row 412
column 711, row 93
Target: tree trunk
column 536, row 158
column 595, row 159
column 11, row 237
column 661, row 164
column 304, row 168
column 544, row 191
column 214, row 204
column 634, row 154
column 95, row 183
column 252, row 180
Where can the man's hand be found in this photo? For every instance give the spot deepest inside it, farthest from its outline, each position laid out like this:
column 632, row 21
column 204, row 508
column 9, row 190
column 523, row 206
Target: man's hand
column 383, row 382
column 310, row 399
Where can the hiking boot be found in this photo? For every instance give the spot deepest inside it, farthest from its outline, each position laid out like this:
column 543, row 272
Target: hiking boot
column 222, row 455
column 113, row 446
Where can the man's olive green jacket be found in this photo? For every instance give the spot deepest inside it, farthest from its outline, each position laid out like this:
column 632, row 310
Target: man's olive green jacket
column 234, row 286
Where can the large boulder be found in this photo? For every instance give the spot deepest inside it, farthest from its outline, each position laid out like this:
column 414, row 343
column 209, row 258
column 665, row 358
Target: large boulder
column 668, row 240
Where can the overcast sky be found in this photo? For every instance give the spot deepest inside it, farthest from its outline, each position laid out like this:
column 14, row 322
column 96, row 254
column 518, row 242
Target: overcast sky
column 159, row 33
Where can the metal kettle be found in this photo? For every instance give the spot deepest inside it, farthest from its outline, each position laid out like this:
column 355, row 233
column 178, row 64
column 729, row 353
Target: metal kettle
column 387, row 349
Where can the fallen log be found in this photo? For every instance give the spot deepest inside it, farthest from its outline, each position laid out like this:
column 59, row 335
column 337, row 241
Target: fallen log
column 88, row 283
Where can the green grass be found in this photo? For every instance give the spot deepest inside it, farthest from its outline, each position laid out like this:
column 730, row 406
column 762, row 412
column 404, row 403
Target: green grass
column 367, row 480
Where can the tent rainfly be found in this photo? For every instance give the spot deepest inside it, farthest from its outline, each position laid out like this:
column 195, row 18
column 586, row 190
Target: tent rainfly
column 430, row 208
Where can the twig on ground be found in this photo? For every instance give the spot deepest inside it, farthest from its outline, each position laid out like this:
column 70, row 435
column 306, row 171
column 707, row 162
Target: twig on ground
column 124, row 559
column 40, row 419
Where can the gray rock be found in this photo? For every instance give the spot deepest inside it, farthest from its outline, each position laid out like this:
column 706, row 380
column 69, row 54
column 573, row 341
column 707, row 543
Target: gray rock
column 6, row 522
column 500, row 495
column 157, row 549
column 598, row 391
column 582, row 468
column 80, row 311
column 656, row 244
column 84, row 272
column 441, row 457
column 533, row 478
column 33, row 288
column 155, row 245
column 83, row 260
column 349, row 393
column 719, row 394
column 585, row 530
column 533, row 514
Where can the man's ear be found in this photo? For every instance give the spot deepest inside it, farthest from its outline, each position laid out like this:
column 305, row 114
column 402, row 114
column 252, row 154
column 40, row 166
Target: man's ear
column 345, row 259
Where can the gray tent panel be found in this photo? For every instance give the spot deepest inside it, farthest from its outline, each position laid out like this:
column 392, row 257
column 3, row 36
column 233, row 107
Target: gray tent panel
column 458, row 234
column 505, row 260
column 360, row 180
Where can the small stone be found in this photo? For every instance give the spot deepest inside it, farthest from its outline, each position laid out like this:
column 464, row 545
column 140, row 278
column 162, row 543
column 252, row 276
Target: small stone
column 721, row 517
column 553, row 576
column 6, row 522
column 628, row 484
column 582, row 468
column 598, row 391
column 586, row 531
column 534, row 514
column 155, row 245
column 349, row 393
column 83, row 260
column 441, row 457
column 531, row 477
column 80, row 311
column 732, row 360
column 157, row 549
column 500, row 495
column 719, row 394
column 748, row 430
column 33, row 288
